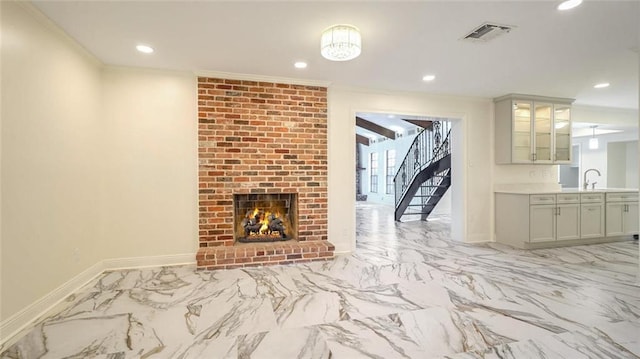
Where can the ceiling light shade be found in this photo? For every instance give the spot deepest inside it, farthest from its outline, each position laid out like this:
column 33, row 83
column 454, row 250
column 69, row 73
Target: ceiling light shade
column 569, row 4
column 341, row 43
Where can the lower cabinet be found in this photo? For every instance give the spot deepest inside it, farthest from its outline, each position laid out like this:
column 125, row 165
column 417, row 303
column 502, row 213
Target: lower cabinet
column 622, row 213
column 557, row 221
column 552, row 218
column 542, row 223
column 554, row 222
column 592, row 215
column 568, row 222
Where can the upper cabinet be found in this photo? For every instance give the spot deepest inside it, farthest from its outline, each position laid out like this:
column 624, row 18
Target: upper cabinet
column 532, row 129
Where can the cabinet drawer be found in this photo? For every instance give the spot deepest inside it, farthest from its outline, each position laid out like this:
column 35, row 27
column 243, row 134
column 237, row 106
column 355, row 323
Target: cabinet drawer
column 542, row 199
column 592, row 198
column 568, row 198
column 622, row 197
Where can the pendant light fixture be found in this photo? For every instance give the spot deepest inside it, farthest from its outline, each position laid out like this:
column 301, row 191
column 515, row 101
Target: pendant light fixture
column 593, row 141
column 341, row 43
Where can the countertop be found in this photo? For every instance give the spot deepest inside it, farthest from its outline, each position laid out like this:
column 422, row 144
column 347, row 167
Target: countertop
column 566, row 190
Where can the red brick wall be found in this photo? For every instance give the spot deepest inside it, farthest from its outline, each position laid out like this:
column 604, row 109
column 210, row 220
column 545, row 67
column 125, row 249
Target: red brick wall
column 260, row 137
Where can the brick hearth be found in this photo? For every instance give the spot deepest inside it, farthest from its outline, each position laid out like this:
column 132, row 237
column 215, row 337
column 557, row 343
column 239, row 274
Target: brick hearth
column 261, row 137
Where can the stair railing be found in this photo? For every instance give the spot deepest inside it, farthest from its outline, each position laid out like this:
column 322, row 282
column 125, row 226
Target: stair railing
column 432, row 144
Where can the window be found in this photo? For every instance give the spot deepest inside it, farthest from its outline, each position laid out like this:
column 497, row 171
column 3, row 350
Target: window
column 373, row 165
column 391, row 169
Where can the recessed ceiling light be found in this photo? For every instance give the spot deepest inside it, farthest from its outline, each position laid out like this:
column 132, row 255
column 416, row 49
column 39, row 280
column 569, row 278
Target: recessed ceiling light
column 569, row 4
column 300, row 65
column 601, row 86
column 144, row 49
column 429, row 78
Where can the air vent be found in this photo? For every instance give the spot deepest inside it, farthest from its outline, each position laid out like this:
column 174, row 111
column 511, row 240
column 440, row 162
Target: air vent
column 487, row 31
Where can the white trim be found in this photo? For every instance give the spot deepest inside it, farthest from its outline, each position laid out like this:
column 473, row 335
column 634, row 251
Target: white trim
column 44, row 20
column 477, row 238
column 341, row 252
column 30, row 315
column 142, row 262
column 261, row 78
column 22, row 319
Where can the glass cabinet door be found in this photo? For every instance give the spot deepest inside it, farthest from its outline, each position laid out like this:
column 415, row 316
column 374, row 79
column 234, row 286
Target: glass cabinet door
column 562, row 128
column 522, row 132
column 543, row 130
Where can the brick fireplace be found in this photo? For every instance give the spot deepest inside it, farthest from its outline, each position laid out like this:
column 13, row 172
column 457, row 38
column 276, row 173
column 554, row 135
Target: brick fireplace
column 261, row 138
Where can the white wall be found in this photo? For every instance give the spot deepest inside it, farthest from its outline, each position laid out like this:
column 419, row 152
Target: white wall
column 401, row 145
column 597, row 158
column 604, row 115
column 51, row 159
column 472, row 195
column 622, row 167
column 616, row 165
column 632, row 175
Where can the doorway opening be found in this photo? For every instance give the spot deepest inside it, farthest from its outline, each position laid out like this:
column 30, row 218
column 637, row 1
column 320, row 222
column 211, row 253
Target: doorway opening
column 392, row 152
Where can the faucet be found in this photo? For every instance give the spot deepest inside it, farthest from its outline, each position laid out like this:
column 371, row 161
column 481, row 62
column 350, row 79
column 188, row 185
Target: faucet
column 585, row 182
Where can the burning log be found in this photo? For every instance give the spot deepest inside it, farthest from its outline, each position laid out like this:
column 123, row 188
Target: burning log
column 256, row 228
column 276, row 225
column 252, row 225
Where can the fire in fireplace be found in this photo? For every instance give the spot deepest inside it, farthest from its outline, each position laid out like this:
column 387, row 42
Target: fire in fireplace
column 265, row 217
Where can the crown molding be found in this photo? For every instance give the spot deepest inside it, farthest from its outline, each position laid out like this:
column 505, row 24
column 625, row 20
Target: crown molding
column 41, row 18
column 261, row 78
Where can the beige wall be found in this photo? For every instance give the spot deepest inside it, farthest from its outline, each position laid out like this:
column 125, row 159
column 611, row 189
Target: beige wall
column 50, row 159
column 96, row 163
column 2, row 335
column 149, row 203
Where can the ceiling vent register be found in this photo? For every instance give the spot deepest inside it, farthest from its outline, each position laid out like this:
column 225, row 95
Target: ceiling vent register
column 487, row 32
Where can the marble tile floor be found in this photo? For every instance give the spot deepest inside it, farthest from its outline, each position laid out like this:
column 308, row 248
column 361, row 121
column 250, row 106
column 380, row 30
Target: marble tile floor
column 408, row 291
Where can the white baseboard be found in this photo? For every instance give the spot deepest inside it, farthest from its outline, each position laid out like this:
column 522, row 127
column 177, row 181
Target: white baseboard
column 14, row 325
column 478, row 238
column 21, row 320
column 141, row 262
column 342, row 252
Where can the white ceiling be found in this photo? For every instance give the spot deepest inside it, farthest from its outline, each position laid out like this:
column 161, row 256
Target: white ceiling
column 549, row 52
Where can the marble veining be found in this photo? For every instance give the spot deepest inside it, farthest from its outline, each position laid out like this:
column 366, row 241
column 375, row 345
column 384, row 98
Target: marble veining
column 408, row 291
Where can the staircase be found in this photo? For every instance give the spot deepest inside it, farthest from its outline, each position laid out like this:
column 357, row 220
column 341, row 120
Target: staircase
column 425, row 174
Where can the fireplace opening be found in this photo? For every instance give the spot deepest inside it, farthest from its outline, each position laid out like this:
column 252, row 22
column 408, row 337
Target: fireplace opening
column 265, row 217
